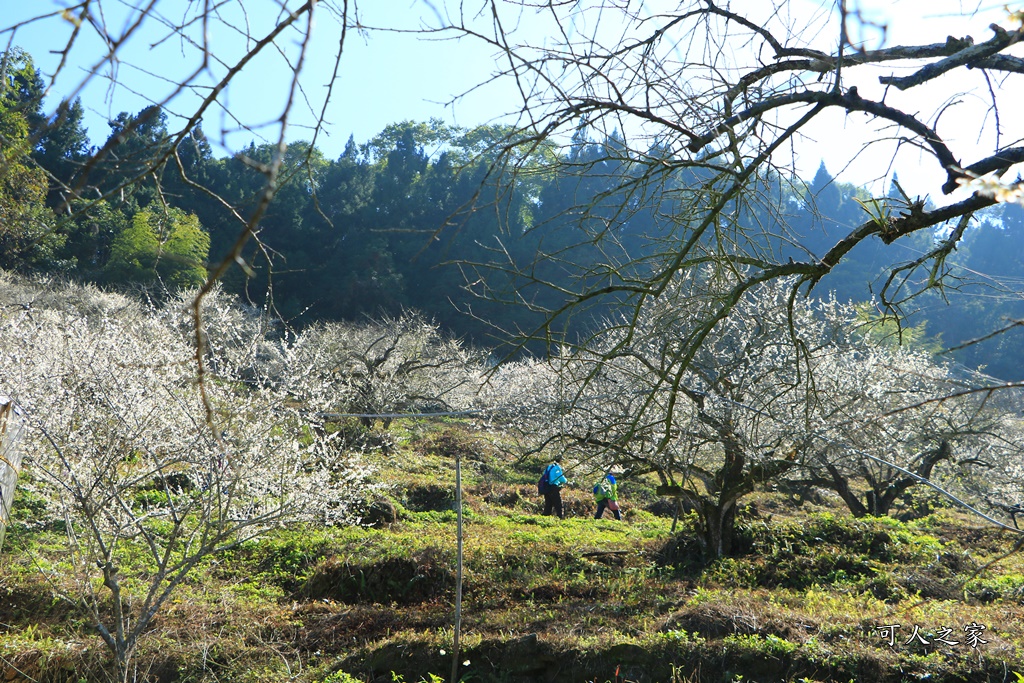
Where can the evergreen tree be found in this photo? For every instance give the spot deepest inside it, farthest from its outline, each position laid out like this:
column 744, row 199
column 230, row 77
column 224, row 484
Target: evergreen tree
column 133, row 158
column 823, row 191
column 92, row 228
column 62, row 149
column 28, row 238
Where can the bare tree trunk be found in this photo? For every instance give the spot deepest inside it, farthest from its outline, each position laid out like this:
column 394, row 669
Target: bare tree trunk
column 719, row 528
column 878, row 501
column 881, row 500
column 842, row 486
column 731, row 482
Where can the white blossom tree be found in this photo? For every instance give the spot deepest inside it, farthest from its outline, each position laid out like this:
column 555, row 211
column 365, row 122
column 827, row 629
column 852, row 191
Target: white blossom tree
column 891, row 417
column 382, row 368
column 706, row 110
column 783, row 388
column 119, row 444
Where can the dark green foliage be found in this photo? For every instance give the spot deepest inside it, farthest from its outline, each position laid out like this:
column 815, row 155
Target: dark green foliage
column 62, row 149
column 825, row 550
column 285, row 560
column 419, row 217
column 27, row 235
column 92, row 229
column 982, row 295
column 430, row 498
column 125, row 161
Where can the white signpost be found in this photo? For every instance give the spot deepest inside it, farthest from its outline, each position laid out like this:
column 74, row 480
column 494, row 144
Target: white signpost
column 11, row 424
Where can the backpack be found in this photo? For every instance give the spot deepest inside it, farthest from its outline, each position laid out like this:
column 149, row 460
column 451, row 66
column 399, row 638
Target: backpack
column 543, row 486
column 556, row 477
column 602, row 489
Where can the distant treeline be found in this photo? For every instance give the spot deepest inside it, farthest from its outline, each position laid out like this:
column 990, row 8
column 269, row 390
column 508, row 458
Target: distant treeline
column 422, row 216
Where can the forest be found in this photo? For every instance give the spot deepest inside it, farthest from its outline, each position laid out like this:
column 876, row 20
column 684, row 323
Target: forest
column 397, row 222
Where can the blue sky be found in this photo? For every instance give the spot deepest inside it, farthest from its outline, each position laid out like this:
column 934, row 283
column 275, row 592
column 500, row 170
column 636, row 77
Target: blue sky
column 388, row 73
column 385, row 75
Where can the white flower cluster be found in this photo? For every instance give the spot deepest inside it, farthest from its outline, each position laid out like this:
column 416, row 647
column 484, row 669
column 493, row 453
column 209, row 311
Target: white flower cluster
column 991, row 185
column 119, row 436
column 774, row 380
column 381, row 367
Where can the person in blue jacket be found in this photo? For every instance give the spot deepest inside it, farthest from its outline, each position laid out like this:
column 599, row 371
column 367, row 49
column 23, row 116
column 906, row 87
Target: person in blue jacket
column 606, row 493
column 550, row 485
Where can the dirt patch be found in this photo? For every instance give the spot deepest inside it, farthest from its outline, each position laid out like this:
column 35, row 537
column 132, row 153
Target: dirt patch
column 505, row 496
column 380, row 512
column 984, row 540
column 682, row 551
column 32, row 603
column 662, row 507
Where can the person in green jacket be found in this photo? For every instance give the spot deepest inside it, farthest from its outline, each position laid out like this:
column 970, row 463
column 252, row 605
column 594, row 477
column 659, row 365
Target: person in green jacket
column 606, row 492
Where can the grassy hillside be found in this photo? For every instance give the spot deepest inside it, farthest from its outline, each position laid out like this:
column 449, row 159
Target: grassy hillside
column 808, row 598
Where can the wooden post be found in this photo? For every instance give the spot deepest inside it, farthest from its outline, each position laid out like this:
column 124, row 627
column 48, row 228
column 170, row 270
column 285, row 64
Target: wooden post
column 10, row 459
column 458, row 574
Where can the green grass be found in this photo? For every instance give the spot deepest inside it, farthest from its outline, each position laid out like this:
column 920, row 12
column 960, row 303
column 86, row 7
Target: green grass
column 599, row 600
